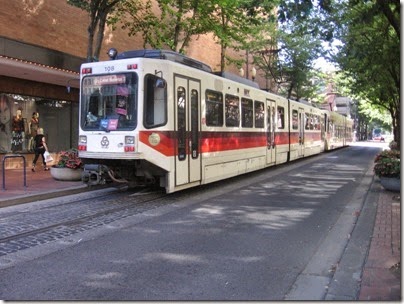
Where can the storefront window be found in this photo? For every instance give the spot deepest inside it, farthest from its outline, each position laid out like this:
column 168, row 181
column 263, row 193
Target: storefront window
column 21, row 116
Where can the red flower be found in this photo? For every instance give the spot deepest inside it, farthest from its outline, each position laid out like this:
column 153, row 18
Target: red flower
column 69, row 159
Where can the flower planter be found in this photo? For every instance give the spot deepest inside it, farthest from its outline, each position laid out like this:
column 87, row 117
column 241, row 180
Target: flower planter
column 391, row 183
column 66, row 174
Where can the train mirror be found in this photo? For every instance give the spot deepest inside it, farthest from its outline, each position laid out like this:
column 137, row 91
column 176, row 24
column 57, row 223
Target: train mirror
column 160, row 83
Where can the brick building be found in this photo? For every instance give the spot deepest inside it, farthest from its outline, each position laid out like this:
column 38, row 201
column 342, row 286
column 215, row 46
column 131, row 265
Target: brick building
column 42, row 44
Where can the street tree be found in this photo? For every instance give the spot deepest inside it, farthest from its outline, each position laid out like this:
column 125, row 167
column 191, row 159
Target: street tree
column 173, row 23
column 239, row 25
column 288, row 55
column 102, row 13
column 370, row 54
column 365, row 113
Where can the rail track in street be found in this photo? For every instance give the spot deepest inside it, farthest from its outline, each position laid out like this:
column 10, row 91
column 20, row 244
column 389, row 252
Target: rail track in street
column 55, row 221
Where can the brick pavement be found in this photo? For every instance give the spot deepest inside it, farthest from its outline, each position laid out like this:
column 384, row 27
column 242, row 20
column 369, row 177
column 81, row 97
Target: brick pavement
column 39, row 185
column 381, row 277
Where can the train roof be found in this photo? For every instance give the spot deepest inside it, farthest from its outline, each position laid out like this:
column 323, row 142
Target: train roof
column 238, row 79
column 182, row 59
column 165, row 54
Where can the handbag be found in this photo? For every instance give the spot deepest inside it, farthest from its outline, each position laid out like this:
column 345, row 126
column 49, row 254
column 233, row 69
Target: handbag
column 48, row 157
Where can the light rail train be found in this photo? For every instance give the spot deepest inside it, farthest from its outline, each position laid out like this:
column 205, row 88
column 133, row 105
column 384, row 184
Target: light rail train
column 159, row 117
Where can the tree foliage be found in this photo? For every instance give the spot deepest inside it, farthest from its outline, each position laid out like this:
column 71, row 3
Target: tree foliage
column 167, row 23
column 370, row 54
column 239, row 24
column 98, row 11
column 174, row 23
column 288, row 55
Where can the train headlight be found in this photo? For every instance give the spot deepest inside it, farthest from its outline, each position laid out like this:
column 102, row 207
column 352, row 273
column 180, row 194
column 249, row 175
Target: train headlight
column 82, row 143
column 129, row 144
column 129, row 140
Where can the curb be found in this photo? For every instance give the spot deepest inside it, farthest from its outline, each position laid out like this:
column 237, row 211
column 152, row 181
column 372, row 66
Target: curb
column 42, row 196
column 52, row 194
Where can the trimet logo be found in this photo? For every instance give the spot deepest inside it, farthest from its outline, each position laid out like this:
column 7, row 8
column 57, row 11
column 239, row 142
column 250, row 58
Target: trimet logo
column 104, row 142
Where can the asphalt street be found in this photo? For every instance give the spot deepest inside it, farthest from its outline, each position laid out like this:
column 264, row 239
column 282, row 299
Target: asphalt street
column 278, row 234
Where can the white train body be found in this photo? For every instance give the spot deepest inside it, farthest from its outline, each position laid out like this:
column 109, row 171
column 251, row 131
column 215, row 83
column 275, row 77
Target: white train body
column 153, row 116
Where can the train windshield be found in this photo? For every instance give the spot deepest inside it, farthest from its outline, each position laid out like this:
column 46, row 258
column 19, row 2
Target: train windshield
column 109, row 102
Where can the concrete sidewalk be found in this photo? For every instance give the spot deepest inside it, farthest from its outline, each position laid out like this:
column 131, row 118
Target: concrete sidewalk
column 380, row 277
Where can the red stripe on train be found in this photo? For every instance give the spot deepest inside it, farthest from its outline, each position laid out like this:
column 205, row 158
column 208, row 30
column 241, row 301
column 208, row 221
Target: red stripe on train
column 165, row 142
column 162, row 141
column 224, row 141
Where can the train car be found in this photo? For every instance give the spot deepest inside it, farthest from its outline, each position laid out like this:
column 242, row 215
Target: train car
column 339, row 131
column 158, row 117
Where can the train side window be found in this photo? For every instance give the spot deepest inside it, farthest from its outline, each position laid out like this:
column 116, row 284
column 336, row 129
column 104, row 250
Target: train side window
column 259, row 114
column 309, row 122
column 281, row 117
column 316, row 122
column 232, row 112
column 214, row 109
column 155, row 103
column 295, row 120
column 247, row 120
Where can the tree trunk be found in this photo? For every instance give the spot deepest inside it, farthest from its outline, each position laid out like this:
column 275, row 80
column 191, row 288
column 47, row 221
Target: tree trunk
column 396, row 121
column 100, row 35
column 90, row 42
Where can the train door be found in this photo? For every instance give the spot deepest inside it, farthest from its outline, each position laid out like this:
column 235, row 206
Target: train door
column 300, row 149
column 271, row 131
column 323, row 122
column 187, row 109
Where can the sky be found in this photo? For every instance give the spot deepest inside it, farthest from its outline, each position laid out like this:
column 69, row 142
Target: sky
column 325, row 66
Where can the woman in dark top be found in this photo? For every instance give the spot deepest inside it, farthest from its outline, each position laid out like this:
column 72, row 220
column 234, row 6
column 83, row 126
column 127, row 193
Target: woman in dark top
column 40, row 148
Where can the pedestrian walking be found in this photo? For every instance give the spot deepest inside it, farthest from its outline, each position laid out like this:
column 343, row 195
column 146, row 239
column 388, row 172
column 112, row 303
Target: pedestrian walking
column 40, row 148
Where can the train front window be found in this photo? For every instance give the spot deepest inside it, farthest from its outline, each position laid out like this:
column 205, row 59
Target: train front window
column 109, row 102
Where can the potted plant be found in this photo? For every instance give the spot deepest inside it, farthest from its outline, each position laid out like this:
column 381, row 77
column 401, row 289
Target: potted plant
column 68, row 167
column 388, row 168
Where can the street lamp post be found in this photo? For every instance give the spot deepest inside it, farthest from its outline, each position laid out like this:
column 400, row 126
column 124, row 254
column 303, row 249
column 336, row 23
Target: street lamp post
column 247, row 70
column 247, row 61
